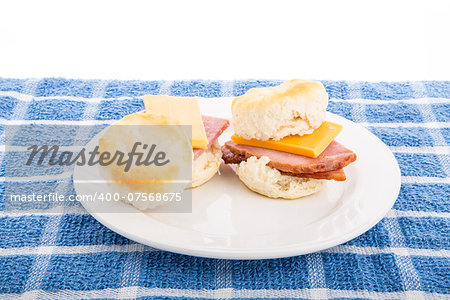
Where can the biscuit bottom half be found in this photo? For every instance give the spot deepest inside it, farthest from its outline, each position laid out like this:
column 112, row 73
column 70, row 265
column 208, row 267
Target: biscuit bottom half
column 268, row 181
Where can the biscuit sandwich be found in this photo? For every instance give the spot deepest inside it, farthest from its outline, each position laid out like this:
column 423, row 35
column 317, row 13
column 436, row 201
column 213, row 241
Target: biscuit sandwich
column 283, row 146
column 196, row 155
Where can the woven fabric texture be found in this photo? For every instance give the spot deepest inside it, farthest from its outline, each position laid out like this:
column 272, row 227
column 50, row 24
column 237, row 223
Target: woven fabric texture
column 71, row 255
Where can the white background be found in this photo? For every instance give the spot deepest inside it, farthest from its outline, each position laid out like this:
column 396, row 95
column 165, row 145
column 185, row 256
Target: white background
column 351, row 40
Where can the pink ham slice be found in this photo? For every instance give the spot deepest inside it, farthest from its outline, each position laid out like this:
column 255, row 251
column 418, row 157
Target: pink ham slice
column 214, row 127
column 334, row 157
column 338, row 175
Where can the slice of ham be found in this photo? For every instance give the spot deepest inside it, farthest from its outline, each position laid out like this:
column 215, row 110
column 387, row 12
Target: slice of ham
column 333, row 158
column 214, row 127
column 338, row 175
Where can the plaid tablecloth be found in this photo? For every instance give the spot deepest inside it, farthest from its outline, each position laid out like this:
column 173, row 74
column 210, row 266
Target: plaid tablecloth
column 64, row 253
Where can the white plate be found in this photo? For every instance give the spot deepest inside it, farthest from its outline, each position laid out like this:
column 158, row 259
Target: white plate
column 230, row 221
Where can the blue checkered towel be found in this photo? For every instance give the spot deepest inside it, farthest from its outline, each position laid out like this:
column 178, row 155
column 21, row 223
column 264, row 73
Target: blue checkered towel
column 47, row 254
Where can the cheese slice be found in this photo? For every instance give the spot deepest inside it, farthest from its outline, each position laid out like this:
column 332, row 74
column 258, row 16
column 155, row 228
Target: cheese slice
column 310, row 145
column 183, row 109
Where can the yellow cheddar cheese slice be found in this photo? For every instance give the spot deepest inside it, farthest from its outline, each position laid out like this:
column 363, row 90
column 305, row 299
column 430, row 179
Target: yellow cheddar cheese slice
column 183, row 109
column 310, row 145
